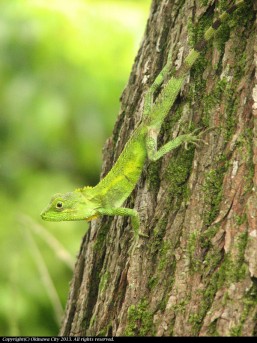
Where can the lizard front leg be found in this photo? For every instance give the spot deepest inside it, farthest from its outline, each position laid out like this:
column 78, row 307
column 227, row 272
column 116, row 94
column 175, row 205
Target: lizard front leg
column 124, row 211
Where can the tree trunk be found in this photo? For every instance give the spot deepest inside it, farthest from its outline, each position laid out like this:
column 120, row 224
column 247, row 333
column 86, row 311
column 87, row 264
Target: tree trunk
column 197, row 272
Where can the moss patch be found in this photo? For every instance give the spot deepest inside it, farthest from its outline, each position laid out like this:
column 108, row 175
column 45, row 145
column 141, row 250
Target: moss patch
column 224, row 271
column 249, row 302
column 213, row 190
column 140, row 320
column 103, row 281
column 153, row 175
column 177, row 175
column 191, row 251
column 98, row 246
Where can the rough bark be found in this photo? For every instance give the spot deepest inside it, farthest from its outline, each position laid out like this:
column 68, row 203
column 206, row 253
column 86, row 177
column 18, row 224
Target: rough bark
column 197, row 273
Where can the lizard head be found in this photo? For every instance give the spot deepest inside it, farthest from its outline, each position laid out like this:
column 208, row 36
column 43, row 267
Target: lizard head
column 76, row 205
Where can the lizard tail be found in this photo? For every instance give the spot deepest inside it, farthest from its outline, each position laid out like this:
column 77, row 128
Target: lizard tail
column 200, row 45
column 172, row 88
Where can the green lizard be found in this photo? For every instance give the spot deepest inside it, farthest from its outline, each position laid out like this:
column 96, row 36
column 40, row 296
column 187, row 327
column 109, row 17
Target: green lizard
column 107, row 197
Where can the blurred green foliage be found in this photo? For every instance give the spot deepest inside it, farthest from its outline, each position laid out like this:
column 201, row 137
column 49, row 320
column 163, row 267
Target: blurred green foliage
column 63, row 66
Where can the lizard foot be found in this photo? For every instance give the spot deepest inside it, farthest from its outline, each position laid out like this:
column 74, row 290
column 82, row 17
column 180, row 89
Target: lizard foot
column 195, row 137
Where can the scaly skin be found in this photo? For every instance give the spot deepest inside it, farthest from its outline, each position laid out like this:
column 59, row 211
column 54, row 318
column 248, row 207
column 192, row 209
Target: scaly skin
column 107, row 197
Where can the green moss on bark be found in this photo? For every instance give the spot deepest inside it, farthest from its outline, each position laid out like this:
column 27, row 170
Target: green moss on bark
column 140, row 320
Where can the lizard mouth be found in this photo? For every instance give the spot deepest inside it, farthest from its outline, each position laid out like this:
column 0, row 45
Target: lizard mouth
column 61, row 217
column 48, row 217
column 44, row 216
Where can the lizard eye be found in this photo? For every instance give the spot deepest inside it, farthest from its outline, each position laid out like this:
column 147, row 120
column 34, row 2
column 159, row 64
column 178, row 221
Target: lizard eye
column 59, row 205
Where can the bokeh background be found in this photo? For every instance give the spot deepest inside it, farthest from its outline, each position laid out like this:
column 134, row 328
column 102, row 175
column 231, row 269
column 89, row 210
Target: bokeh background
column 63, row 66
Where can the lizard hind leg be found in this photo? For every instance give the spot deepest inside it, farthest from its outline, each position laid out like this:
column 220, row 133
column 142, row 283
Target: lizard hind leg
column 149, row 97
column 151, row 143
